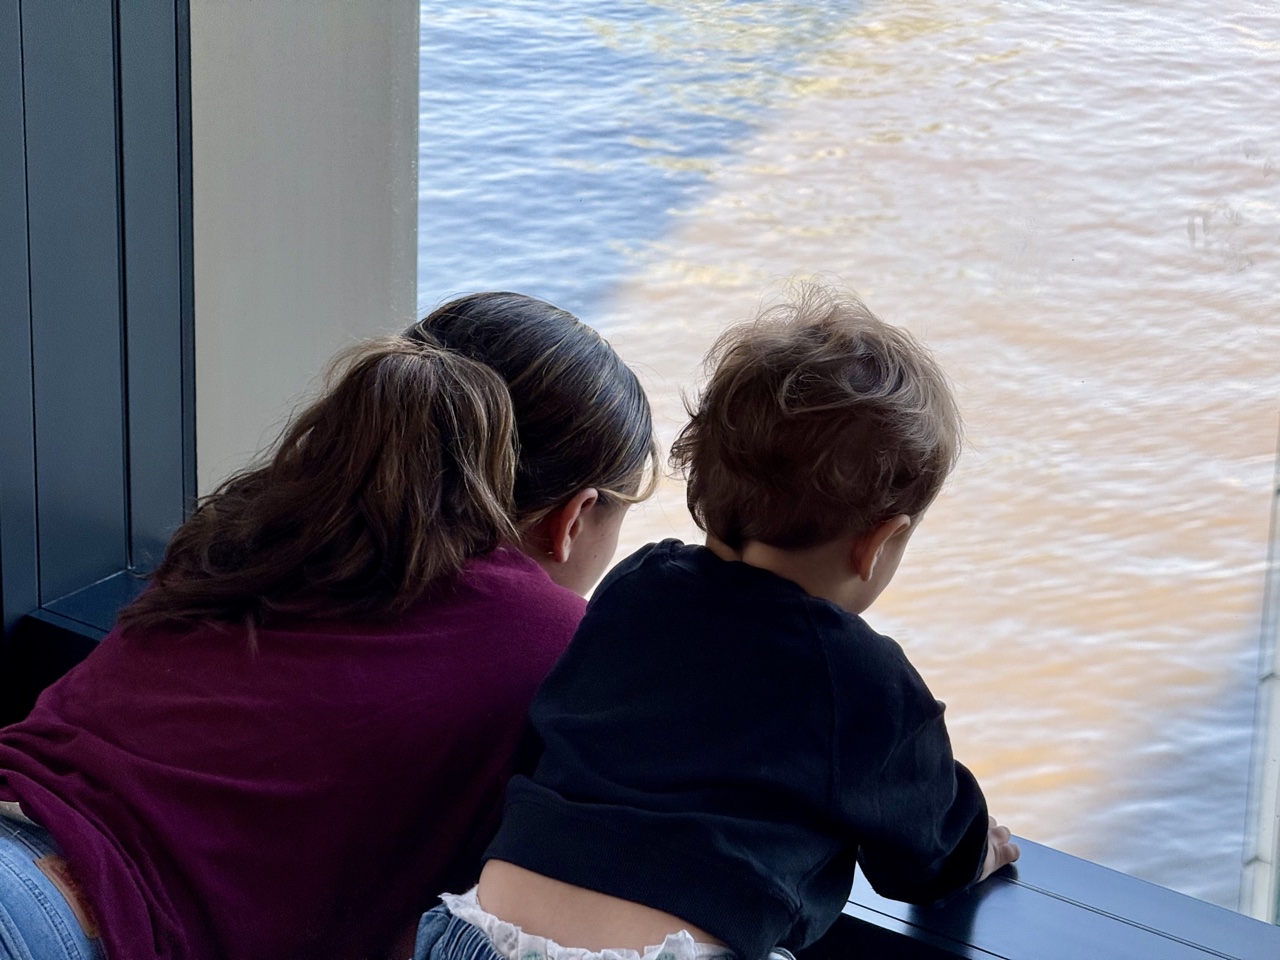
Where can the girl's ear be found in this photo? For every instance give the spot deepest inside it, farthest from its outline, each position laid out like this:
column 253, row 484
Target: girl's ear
column 554, row 534
column 866, row 549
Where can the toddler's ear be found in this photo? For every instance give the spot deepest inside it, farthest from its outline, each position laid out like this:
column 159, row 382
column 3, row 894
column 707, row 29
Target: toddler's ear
column 867, row 547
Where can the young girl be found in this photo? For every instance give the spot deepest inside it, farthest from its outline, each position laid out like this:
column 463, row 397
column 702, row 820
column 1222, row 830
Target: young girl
column 304, row 725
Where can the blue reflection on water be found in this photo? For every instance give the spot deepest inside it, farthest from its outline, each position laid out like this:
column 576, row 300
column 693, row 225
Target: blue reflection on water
column 558, row 140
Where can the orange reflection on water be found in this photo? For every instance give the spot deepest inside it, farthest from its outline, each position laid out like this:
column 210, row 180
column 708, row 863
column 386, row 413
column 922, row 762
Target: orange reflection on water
column 1078, row 206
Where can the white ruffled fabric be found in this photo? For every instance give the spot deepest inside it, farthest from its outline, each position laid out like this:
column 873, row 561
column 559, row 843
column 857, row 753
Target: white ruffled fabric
column 514, row 944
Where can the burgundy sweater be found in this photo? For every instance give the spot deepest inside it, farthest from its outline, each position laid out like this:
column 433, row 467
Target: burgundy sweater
column 303, row 800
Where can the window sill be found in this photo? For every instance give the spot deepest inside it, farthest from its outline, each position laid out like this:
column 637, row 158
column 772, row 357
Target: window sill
column 1048, row 906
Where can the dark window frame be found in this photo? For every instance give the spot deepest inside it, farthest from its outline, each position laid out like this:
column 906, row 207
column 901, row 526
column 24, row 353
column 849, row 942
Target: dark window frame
column 118, row 376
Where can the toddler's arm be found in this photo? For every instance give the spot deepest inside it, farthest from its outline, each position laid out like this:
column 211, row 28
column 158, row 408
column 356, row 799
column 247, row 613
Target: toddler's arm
column 918, row 817
column 921, row 823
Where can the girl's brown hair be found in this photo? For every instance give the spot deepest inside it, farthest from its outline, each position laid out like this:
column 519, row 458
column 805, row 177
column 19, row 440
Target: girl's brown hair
column 391, row 480
column 407, row 467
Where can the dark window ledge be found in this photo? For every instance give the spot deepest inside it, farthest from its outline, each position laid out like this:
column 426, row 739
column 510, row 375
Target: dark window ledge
column 1048, row 906
column 96, row 605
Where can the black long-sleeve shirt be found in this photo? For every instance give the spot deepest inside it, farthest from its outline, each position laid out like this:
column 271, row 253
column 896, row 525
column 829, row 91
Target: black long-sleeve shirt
column 722, row 746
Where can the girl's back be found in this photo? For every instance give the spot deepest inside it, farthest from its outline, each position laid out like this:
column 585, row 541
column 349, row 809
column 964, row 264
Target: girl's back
column 279, row 801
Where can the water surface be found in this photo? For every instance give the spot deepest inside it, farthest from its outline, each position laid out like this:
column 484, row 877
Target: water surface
column 1076, row 204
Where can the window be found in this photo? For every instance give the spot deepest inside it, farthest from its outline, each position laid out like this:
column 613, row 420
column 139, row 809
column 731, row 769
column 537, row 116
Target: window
column 1074, row 209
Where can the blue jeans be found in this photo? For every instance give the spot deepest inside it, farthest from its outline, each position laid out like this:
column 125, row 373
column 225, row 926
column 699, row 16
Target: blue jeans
column 442, row 936
column 36, row 921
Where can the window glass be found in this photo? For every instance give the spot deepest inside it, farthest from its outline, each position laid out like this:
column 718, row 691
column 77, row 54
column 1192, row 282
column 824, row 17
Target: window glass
column 1076, row 205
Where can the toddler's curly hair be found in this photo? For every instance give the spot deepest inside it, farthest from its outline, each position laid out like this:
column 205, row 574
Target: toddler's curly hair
column 819, row 420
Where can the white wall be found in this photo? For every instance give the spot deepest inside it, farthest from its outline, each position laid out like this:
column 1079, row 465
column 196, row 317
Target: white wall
column 304, row 165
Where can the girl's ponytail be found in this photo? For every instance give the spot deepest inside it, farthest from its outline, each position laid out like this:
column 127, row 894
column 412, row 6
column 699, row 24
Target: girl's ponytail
column 387, row 484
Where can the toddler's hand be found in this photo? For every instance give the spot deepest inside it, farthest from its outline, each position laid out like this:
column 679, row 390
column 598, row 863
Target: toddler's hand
column 1000, row 849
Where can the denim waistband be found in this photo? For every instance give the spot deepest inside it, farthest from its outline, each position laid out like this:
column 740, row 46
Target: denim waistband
column 42, row 913
column 442, row 936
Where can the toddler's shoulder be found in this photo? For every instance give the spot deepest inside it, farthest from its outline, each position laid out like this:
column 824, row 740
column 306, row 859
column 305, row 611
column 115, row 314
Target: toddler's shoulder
column 663, row 569
column 869, row 666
